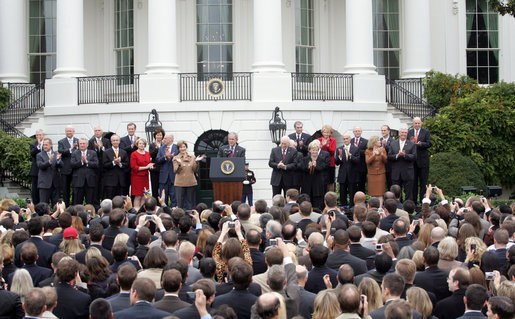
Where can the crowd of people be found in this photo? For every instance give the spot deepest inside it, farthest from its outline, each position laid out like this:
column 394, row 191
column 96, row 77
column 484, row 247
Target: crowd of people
column 312, row 253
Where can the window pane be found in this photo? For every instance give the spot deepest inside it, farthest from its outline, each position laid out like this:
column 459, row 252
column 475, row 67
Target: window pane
column 214, row 14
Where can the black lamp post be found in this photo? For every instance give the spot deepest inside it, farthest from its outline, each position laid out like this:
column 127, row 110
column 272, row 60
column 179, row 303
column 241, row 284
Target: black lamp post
column 152, row 124
column 277, row 126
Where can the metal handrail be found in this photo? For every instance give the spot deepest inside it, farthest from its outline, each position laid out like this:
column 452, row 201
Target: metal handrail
column 108, row 89
column 25, row 105
column 230, row 86
column 407, row 102
column 322, row 86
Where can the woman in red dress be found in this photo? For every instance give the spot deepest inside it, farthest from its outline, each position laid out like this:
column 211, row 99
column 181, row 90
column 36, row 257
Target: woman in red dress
column 140, row 165
column 328, row 144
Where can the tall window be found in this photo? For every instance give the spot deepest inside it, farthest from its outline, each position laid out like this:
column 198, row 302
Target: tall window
column 386, row 37
column 124, row 37
column 42, row 36
column 482, row 42
column 304, row 40
column 214, row 36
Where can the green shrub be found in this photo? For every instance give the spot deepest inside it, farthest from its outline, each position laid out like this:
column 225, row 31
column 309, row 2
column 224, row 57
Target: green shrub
column 5, row 96
column 440, row 89
column 450, row 170
column 15, row 155
column 20, row 201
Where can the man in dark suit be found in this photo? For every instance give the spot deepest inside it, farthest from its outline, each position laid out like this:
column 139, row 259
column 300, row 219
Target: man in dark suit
column 116, row 164
column 319, row 258
column 392, row 286
column 233, row 149
column 386, row 140
column 128, row 144
column 390, row 207
column 356, row 249
column 258, row 258
column 10, row 305
column 400, row 230
column 165, row 157
column 35, row 147
column 99, row 144
column 45, row 250
column 239, row 299
column 383, row 263
column 307, row 299
column 65, row 221
column 403, row 155
column 171, row 283
column 49, row 178
column 475, row 299
column 347, row 156
column 29, row 255
column 84, row 163
column 96, row 234
column 66, row 147
column 116, row 221
column 142, row 294
column 124, row 278
column 361, row 144
column 453, row 306
column 300, row 139
column 208, row 288
column 422, row 139
column 282, row 161
column 433, row 278
column 341, row 256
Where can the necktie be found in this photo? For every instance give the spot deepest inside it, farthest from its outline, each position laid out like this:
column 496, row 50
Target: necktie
column 232, row 151
column 356, row 142
column 402, row 145
column 116, row 153
column 131, row 139
column 71, row 142
column 298, row 138
column 284, row 154
column 416, row 135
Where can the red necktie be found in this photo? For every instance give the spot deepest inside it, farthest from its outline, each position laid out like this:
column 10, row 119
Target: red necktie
column 284, row 154
column 416, row 136
column 356, row 142
column 232, row 151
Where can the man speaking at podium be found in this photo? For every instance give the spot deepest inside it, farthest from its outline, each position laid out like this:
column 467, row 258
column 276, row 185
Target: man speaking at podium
column 231, row 150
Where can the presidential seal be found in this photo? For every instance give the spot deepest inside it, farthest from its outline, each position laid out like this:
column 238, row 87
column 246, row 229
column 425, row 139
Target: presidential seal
column 215, row 87
column 227, row 167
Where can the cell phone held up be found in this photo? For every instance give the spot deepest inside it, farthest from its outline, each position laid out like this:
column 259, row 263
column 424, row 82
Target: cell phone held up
column 273, row 242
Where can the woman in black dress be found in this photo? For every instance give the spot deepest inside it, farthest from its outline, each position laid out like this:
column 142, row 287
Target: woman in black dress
column 314, row 166
column 153, row 148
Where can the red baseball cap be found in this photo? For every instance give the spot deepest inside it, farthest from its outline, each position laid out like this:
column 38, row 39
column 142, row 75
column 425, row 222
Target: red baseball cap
column 70, row 233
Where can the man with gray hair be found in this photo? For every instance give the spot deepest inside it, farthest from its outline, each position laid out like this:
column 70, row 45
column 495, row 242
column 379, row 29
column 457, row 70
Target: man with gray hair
column 283, row 163
column 437, row 234
column 403, row 154
column 98, row 143
column 273, row 230
column 232, row 149
column 301, row 140
column 35, row 147
column 35, row 303
column 278, row 200
column 84, row 163
column 66, row 147
column 307, row 299
column 347, row 157
column 165, row 156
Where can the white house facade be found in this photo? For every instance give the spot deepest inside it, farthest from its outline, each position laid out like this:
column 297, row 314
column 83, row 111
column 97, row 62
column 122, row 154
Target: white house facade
column 209, row 67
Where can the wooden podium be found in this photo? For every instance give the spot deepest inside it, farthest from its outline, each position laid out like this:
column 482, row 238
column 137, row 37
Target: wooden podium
column 227, row 175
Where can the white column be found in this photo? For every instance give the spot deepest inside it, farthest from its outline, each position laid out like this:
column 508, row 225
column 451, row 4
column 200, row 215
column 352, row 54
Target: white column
column 268, row 52
column 416, row 52
column 70, row 39
column 358, row 31
column 162, row 37
column 13, row 41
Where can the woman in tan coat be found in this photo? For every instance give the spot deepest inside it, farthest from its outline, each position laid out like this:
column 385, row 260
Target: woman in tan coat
column 376, row 158
column 184, row 166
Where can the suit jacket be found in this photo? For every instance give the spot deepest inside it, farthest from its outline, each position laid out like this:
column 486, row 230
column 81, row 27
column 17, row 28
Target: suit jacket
column 340, row 257
column 10, row 305
column 471, row 315
column 452, row 306
column 291, row 292
column 357, row 250
column 387, row 222
column 120, row 301
column 239, row 300
column 36, row 272
column 258, row 261
column 114, row 175
column 190, row 312
column 372, row 274
column 126, row 145
column 286, row 175
column 71, row 303
column 166, row 173
column 379, row 313
column 84, row 175
column 106, row 144
column 389, row 141
column 227, row 287
column 305, row 138
column 349, row 168
column 315, row 281
column 48, row 174
column 362, row 146
column 433, row 279
column 34, row 151
column 424, row 137
column 403, row 242
column 402, row 167
column 63, row 147
column 307, row 303
column 45, row 252
column 111, row 232
column 81, row 256
column 141, row 310
column 315, row 184
column 171, row 304
column 225, row 151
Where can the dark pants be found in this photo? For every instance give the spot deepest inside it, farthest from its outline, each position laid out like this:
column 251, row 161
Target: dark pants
column 154, row 184
column 282, row 188
column 420, row 182
column 170, row 196
column 361, row 183
column 185, row 197
column 112, row 191
column 347, row 188
column 66, row 183
column 98, row 194
column 48, row 195
column 244, row 197
column 81, row 193
column 34, row 190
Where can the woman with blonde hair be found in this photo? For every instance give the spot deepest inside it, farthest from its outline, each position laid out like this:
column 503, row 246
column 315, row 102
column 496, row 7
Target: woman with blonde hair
column 21, row 283
column 375, row 157
column 7, row 257
column 313, row 181
column 371, row 289
column 326, row 305
column 419, row 301
column 419, row 260
column 475, row 248
column 328, row 144
column 140, row 166
column 202, row 236
column 448, row 249
column 77, row 224
column 124, row 238
column 71, row 243
column 424, row 235
column 185, row 165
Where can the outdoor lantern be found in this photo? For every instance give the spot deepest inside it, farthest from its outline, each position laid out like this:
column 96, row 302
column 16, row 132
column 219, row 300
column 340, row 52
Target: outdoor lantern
column 277, row 126
column 152, row 124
